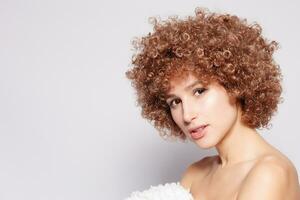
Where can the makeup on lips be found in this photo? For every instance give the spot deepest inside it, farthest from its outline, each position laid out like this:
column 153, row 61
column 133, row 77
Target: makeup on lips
column 198, row 132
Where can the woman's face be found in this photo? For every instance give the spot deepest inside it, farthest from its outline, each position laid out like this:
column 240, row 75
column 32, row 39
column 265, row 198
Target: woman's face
column 193, row 106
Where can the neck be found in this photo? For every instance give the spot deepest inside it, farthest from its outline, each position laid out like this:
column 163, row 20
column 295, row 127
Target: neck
column 241, row 144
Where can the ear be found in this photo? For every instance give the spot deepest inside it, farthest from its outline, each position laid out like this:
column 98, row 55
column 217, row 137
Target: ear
column 233, row 97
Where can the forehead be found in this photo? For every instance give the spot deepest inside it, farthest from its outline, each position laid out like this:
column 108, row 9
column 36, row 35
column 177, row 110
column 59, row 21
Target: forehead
column 184, row 82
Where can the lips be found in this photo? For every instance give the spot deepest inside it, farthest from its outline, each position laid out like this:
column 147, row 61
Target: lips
column 196, row 129
column 198, row 132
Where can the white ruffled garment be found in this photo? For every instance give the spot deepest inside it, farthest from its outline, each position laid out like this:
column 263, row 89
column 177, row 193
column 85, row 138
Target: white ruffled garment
column 168, row 191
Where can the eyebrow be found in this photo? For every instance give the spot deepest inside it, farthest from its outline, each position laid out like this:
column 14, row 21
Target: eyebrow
column 186, row 88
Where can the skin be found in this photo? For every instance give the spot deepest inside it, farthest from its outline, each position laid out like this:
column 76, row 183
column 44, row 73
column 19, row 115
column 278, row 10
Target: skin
column 246, row 164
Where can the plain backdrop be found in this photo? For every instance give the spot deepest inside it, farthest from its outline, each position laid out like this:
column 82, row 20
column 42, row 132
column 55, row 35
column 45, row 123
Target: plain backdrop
column 69, row 125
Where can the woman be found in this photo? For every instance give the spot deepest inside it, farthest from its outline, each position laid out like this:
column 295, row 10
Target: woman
column 211, row 79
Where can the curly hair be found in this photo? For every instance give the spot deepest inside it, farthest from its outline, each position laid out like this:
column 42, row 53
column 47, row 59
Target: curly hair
column 212, row 46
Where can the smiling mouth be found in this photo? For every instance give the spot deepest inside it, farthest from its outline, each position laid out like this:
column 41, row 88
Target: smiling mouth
column 198, row 132
column 197, row 128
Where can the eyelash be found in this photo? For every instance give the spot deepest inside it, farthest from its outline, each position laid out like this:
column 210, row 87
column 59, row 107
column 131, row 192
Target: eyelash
column 196, row 90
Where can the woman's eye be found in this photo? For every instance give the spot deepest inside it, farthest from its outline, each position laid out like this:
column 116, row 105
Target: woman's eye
column 174, row 102
column 199, row 91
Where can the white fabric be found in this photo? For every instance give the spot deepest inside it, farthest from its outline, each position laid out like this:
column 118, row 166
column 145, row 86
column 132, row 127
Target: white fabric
column 168, row 191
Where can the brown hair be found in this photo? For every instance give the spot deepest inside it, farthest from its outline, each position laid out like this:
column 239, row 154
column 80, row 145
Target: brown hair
column 212, row 46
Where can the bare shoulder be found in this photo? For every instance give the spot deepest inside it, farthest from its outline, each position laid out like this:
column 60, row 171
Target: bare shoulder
column 272, row 177
column 275, row 165
column 197, row 169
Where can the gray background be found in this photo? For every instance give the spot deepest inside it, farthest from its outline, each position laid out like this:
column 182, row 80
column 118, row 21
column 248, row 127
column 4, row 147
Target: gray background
column 69, row 126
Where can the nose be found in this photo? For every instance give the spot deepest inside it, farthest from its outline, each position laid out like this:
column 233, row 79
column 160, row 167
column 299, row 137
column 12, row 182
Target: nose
column 188, row 113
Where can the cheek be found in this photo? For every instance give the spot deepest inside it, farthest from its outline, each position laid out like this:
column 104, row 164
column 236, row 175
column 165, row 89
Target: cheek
column 176, row 117
column 220, row 113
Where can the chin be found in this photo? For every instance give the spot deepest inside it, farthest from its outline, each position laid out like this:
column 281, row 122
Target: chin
column 204, row 145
